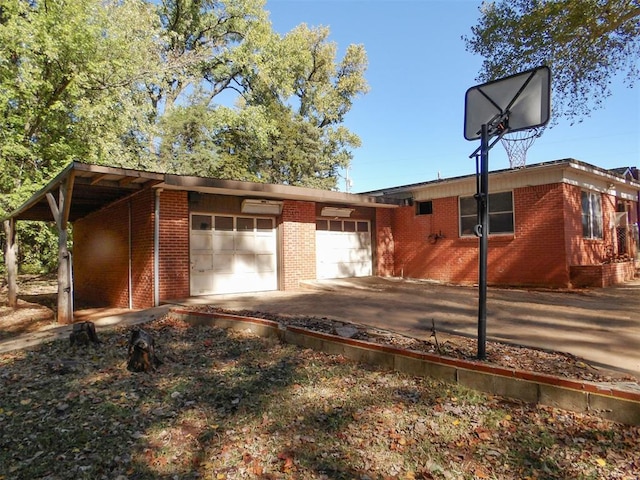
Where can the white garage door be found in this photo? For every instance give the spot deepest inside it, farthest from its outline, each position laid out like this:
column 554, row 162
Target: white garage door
column 343, row 248
column 232, row 254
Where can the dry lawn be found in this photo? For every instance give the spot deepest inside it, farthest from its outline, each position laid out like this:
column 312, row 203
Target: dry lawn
column 227, row 405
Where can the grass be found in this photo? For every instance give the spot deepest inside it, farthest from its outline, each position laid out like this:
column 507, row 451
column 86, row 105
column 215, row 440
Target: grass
column 226, row 405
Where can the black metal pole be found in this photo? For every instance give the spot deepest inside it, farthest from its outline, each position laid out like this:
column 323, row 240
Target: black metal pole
column 483, row 206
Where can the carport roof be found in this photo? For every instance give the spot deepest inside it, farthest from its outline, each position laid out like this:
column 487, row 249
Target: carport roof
column 93, row 187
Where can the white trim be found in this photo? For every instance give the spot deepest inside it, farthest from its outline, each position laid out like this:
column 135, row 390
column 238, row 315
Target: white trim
column 571, row 173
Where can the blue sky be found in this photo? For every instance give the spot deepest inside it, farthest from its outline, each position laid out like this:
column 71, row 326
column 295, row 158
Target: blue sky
column 411, row 121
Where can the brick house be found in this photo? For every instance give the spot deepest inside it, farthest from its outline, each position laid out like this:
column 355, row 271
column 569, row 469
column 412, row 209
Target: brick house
column 556, row 224
column 142, row 238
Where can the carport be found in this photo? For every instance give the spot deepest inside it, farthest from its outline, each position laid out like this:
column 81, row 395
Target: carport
column 77, row 191
column 81, row 191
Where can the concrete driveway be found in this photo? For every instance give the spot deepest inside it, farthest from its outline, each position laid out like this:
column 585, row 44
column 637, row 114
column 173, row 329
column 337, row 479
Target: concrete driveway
column 600, row 325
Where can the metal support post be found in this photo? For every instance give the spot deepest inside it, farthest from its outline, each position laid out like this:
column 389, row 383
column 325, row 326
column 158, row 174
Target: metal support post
column 483, row 211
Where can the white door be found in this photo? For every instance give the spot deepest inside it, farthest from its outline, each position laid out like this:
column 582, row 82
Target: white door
column 232, row 254
column 343, row 248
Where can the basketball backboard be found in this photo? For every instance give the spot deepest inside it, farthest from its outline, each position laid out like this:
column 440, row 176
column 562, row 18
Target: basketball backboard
column 520, row 102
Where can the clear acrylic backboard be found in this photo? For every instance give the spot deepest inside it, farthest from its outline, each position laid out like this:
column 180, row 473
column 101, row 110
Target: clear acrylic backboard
column 519, row 102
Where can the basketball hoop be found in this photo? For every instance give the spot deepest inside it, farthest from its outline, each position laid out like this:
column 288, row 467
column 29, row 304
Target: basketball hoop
column 518, row 143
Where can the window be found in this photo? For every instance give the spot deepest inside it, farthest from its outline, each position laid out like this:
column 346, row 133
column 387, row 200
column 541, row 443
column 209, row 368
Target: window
column 244, row 224
column 350, row 226
column 264, row 224
column 591, row 215
column 424, row 208
column 201, row 222
column 223, row 224
column 500, row 214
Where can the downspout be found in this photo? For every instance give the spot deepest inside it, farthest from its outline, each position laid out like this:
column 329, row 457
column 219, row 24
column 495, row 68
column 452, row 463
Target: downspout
column 156, row 250
column 130, row 266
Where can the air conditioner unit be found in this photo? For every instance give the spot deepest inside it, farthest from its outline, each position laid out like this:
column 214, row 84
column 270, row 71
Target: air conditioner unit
column 262, row 207
column 336, row 212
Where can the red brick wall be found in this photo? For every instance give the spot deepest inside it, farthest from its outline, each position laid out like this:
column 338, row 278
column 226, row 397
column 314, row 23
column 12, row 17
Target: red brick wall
column 101, row 244
column 585, row 251
column 430, row 247
column 101, row 258
column 101, row 251
column 174, row 245
column 384, row 244
column 419, row 254
column 101, row 254
column 536, row 255
column 298, row 233
column 142, row 221
column 601, row 275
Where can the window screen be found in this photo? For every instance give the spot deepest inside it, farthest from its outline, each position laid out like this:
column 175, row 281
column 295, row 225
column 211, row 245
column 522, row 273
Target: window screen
column 500, row 214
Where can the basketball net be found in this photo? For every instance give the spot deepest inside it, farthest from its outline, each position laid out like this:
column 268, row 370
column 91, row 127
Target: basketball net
column 517, row 144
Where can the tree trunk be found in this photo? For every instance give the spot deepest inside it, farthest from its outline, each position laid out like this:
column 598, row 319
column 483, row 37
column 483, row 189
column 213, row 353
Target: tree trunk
column 142, row 355
column 83, row 334
column 10, row 260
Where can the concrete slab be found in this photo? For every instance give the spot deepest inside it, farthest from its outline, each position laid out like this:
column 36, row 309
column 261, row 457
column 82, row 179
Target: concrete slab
column 600, row 325
column 29, row 340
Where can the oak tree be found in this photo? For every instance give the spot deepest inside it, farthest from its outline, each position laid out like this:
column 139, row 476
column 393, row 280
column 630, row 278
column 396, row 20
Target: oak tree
column 70, row 74
column 586, row 44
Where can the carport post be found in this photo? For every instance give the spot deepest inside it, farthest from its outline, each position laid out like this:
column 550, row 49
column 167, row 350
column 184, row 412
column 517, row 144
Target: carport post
column 60, row 211
column 10, row 259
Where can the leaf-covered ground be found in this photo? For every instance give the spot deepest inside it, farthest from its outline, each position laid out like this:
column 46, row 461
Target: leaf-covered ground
column 227, row 405
column 456, row 346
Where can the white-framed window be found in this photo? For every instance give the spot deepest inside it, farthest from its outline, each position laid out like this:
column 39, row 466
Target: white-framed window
column 500, row 214
column 591, row 215
column 360, row 226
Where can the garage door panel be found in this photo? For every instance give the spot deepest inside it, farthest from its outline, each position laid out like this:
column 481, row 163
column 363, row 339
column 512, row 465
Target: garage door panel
column 265, row 264
column 201, row 241
column 353, row 255
column 223, row 242
column 223, row 263
column 342, row 254
column 202, row 262
column 200, row 284
column 263, row 243
column 239, row 253
column 245, row 263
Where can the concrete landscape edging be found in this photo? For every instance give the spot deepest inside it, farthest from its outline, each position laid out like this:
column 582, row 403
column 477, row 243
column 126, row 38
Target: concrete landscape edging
column 605, row 400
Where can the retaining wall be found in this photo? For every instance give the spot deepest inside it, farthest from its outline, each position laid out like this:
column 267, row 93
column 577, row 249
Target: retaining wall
column 579, row 396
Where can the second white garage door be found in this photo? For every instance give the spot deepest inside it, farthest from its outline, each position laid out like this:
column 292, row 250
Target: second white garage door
column 343, row 248
column 232, row 254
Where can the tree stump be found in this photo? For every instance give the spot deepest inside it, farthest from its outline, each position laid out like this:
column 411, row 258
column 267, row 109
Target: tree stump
column 142, row 355
column 83, row 334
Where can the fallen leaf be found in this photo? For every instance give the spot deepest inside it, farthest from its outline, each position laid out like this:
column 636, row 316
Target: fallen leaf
column 257, row 468
column 483, row 434
column 481, row 472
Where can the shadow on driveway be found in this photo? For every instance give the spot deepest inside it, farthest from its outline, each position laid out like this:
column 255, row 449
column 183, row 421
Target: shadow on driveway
column 600, row 325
